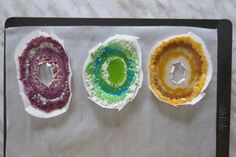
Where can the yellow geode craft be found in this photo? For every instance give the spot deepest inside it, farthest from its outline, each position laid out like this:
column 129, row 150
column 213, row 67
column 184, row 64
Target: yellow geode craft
column 180, row 69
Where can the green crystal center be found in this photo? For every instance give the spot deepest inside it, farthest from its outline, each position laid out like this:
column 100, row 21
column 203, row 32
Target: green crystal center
column 116, row 70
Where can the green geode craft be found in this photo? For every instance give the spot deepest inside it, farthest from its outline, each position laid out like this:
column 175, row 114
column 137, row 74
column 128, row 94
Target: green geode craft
column 112, row 72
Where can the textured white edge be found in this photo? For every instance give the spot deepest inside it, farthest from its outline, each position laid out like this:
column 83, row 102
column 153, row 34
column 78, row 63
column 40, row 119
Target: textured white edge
column 122, row 104
column 18, row 52
column 209, row 69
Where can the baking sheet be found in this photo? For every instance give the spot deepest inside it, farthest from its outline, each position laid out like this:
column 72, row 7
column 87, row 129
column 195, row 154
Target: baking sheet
column 145, row 127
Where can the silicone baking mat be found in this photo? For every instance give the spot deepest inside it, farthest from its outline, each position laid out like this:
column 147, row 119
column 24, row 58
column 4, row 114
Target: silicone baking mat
column 146, row 126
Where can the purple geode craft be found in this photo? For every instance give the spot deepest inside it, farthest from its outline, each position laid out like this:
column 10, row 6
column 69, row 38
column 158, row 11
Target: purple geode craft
column 41, row 99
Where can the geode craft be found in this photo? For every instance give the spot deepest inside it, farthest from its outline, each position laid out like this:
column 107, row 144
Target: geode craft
column 112, row 72
column 42, row 99
column 180, row 69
